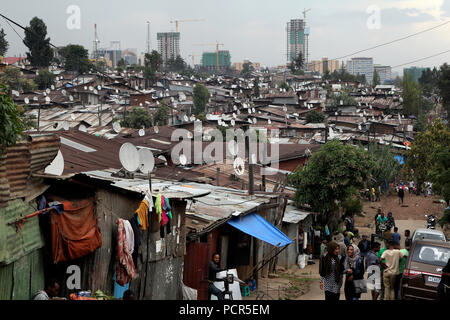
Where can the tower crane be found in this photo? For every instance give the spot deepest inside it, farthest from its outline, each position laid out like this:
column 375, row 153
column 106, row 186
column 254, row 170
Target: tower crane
column 193, row 57
column 304, row 13
column 217, row 44
column 186, row 20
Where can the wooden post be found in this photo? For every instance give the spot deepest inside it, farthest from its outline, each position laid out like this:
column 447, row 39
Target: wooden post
column 150, row 181
column 218, row 177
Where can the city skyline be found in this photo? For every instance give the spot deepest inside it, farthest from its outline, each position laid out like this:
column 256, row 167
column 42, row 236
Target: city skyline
column 251, row 30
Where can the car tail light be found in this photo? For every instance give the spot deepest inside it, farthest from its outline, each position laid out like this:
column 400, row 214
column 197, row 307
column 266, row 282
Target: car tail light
column 411, row 273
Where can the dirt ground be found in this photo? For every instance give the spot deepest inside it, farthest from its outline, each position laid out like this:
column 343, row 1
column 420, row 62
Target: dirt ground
column 303, row 284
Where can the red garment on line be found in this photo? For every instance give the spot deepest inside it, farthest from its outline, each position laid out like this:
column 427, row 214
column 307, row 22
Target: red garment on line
column 125, row 269
column 164, row 218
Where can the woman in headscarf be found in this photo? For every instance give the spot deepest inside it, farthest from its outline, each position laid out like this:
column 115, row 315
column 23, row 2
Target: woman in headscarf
column 331, row 270
column 354, row 270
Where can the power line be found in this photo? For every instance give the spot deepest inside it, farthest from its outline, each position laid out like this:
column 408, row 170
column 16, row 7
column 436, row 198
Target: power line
column 14, row 30
column 434, row 55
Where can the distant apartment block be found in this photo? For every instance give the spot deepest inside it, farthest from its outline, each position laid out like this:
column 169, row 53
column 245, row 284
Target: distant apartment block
column 112, row 57
column 239, row 66
column 296, row 39
column 415, row 72
column 168, row 45
column 130, row 56
column 359, row 66
column 321, row 66
column 209, row 60
column 384, row 72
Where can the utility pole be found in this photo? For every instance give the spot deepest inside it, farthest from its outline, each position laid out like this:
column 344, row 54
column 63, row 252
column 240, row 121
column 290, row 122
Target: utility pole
column 148, row 37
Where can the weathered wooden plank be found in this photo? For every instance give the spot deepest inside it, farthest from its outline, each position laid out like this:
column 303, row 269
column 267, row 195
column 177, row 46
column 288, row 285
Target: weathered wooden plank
column 21, row 279
column 6, row 281
column 36, row 271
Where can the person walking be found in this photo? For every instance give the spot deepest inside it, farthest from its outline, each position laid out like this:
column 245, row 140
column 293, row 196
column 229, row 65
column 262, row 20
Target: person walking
column 390, row 261
column 354, row 270
column 374, row 276
column 364, row 246
column 401, row 268
column 377, row 224
column 372, row 194
column 378, row 193
column 396, row 236
column 411, row 186
column 382, row 223
column 390, row 223
column 331, row 270
column 401, row 193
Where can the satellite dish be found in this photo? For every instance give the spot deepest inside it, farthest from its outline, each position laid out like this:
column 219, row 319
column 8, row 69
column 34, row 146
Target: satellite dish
column 63, row 92
column 85, row 87
column 285, row 109
column 156, row 129
column 234, row 115
column 185, row 118
column 249, row 120
column 233, row 147
column 91, row 88
column 253, row 110
column 238, row 112
column 56, row 167
column 95, row 91
column 254, row 120
column 192, row 118
column 269, row 121
column 233, row 123
column 65, row 125
column 27, row 101
column 239, row 166
column 35, row 98
column 117, row 90
column 53, row 87
column 71, row 98
column 82, row 128
column 235, row 107
column 147, row 162
column 141, row 132
column 183, row 159
column 219, row 122
column 129, row 157
column 190, row 135
column 163, row 159
column 47, row 90
column 47, row 99
column 249, row 111
column 99, row 88
column 117, row 128
column 72, row 116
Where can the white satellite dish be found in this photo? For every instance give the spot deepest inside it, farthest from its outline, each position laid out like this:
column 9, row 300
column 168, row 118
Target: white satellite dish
column 254, row 120
column 253, row 110
column 156, row 129
column 117, row 90
column 35, row 98
column 285, row 109
column 234, row 115
column 163, row 159
column 141, row 132
column 185, row 118
column 235, row 107
column 183, row 159
column 47, row 90
column 47, row 99
column 27, row 101
column 249, row 120
column 71, row 98
column 269, row 121
column 233, row 123
column 219, row 122
column 233, row 147
column 99, row 88
column 238, row 112
column 239, row 166
column 65, row 125
column 82, row 128
column 129, row 157
column 147, row 162
column 95, row 91
column 91, row 88
column 52, row 87
column 117, row 127
column 63, row 92
column 72, row 116
column 56, row 167
column 249, row 111
column 192, row 118
column 190, row 135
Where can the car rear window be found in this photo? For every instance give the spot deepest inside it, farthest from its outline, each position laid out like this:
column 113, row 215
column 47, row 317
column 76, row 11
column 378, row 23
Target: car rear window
column 428, row 236
column 431, row 255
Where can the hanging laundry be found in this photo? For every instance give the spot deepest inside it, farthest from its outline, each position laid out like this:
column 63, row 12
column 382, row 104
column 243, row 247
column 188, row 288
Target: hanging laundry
column 158, row 207
column 137, row 237
column 142, row 212
column 125, row 269
column 129, row 234
column 164, row 218
column 149, row 198
column 167, row 208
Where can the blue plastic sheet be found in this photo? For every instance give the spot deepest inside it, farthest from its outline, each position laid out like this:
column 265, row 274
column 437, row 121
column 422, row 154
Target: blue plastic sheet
column 256, row 226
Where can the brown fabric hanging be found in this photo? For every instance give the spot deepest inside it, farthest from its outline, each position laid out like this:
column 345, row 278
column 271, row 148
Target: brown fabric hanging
column 75, row 232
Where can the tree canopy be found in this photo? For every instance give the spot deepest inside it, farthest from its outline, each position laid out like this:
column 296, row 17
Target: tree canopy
column 137, row 118
column 41, row 54
column 176, row 64
column 14, row 80
column 315, row 117
column 152, row 63
column 45, row 79
column 298, row 64
column 444, row 86
column 76, row 58
column 161, row 116
column 4, row 45
column 201, row 97
column 247, row 69
column 376, row 78
column 331, row 175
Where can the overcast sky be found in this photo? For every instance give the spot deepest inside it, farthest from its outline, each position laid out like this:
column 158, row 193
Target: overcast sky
column 252, row 29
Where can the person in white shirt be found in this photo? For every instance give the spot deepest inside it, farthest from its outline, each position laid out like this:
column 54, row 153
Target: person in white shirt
column 390, row 261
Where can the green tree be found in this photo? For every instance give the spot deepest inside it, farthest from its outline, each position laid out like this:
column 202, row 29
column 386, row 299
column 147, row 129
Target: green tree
column 176, row 64
column 412, row 96
column 444, row 86
column 298, row 64
column 14, row 80
column 256, row 90
column 429, row 81
column 76, row 58
column 345, row 97
column 330, row 176
column 201, row 97
column 376, row 78
column 285, row 86
column 315, row 117
column 326, row 75
column 152, row 64
column 121, row 65
column 11, row 124
column 421, row 123
column 421, row 159
column 41, row 54
column 45, row 79
column 137, row 119
column 161, row 116
column 247, row 69
column 386, row 167
column 4, row 45
column 440, row 173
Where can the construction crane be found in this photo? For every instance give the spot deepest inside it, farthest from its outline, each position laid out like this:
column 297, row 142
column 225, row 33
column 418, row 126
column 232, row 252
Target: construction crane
column 217, row 44
column 306, row 35
column 193, row 57
column 186, row 20
column 304, row 13
column 96, row 42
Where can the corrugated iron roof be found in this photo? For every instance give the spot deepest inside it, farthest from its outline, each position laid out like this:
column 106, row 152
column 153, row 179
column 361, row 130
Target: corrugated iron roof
column 294, row 215
column 14, row 244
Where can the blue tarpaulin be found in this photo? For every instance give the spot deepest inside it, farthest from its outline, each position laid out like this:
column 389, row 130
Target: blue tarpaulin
column 256, row 226
column 400, row 159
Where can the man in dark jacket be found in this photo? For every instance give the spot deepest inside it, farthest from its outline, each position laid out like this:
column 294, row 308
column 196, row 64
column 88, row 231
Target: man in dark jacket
column 212, row 276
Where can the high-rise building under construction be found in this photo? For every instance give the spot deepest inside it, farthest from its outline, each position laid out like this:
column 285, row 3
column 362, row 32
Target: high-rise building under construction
column 209, row 60
column 297, row 39
column 168, row 45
